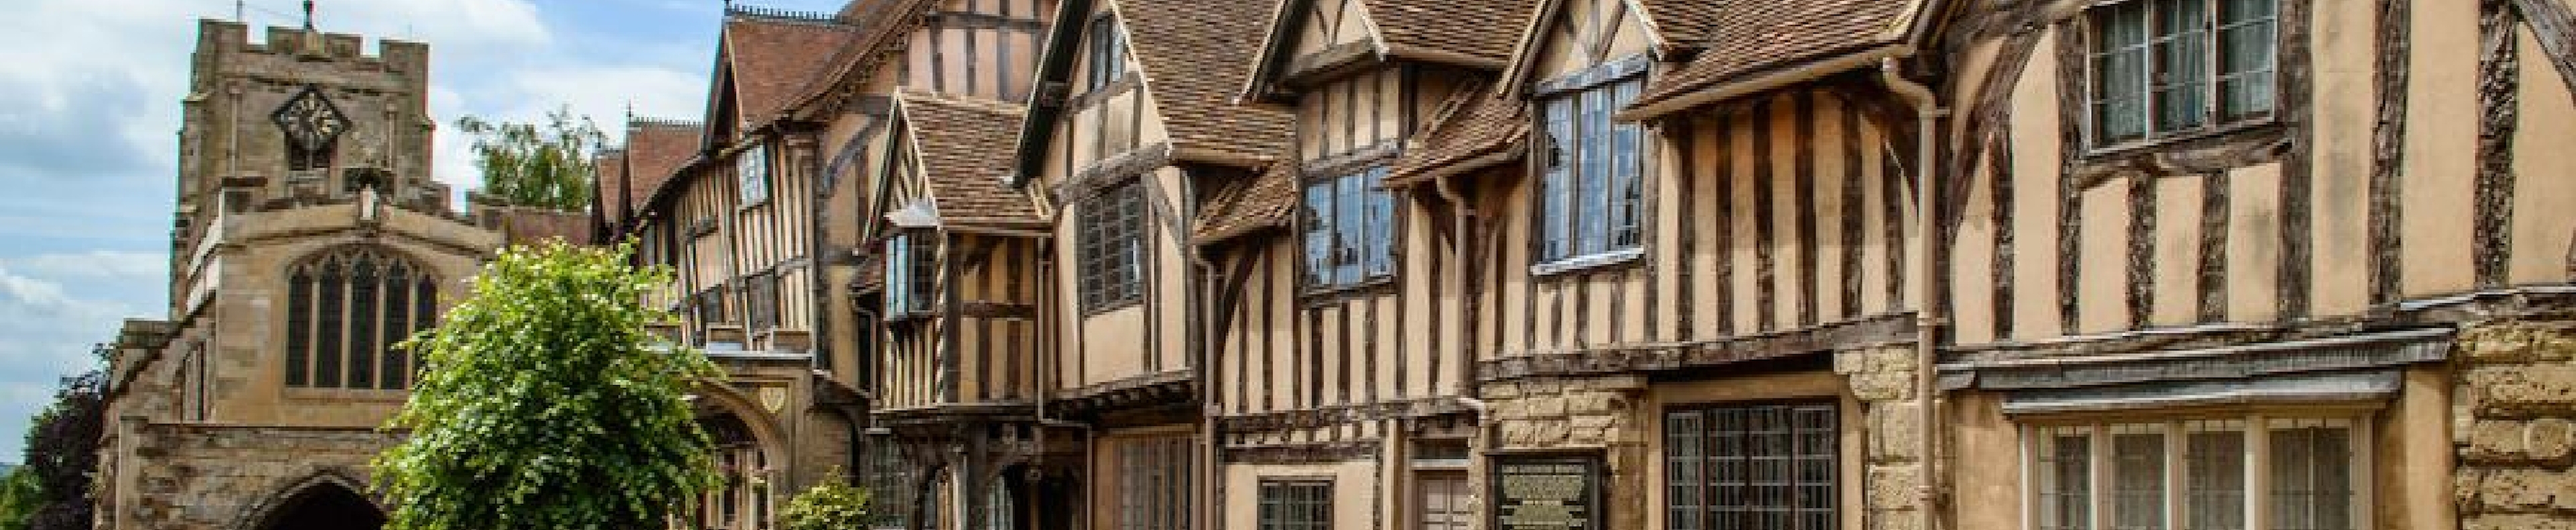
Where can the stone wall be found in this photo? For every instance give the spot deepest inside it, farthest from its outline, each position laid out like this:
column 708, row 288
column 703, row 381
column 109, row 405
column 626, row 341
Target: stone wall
column 1893, row 470
column 1547, row 413
column 200, row 477
column 2514, row 415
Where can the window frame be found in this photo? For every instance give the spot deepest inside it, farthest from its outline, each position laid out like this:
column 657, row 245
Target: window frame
column 1387, row 239
column 1707, row 484
column 912, row 273
column 1104, row 43
column 1263, row 503
column 751, row 175
column 2255, row 489
column 1114, row 217
column 1161, row 502
column 1603, row 89
column 403, row 301
column 2215, row 123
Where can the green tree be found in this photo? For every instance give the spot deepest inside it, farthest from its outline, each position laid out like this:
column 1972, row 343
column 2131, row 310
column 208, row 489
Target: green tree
column 537, row 164
column 545, row 403
column 831, row 505
column 19, row 496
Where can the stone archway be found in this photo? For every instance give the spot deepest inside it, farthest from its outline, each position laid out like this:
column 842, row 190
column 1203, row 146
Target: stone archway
column 323, row 505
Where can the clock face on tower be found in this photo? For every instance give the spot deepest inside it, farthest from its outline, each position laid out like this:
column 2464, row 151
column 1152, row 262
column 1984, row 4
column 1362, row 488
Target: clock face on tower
column 311, row 121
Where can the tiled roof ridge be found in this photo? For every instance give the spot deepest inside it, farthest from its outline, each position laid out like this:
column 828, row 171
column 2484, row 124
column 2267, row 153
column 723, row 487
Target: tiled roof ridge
column 781, row 14
column 648, row 121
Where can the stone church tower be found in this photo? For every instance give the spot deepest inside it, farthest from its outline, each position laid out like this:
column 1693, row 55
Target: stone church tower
column 308, row 237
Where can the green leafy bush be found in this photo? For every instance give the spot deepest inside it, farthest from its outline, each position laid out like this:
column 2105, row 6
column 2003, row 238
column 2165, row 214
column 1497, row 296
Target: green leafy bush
column 544, row 403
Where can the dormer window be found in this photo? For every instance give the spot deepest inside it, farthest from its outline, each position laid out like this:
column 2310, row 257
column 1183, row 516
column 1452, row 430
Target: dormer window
column 1107, row 54
column 751, row 168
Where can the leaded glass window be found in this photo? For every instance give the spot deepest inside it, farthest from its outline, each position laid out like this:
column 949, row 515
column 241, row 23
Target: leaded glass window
column 1295, row 504
column 1107, row 54
column 1154, row 484
column 1748, row 466
column 1591, row 184
column 2164, row 68
column 1349, row 230
column 1112, row 226
column 2195, row 475
column 345, row 309
column 751, row 169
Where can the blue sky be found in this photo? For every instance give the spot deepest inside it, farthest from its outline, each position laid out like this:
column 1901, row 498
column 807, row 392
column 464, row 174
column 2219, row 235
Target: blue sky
column 89, row 105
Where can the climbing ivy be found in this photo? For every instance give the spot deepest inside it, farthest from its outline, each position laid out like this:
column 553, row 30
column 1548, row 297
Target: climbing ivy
column 545, row 403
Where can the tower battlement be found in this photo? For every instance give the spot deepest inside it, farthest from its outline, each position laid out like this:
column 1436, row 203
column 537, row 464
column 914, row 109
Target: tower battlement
column 229, row 37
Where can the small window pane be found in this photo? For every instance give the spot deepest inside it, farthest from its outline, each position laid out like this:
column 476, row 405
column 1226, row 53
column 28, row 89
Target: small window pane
column 2311, row 482
column 2215, row 485
column 2182, row 65
column 2065, row 479
column 1349, row 223
column 2138, row 478
column 1380, row 238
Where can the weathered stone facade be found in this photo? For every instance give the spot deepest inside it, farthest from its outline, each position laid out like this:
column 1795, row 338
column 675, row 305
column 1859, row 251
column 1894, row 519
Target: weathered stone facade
column 2514, row 412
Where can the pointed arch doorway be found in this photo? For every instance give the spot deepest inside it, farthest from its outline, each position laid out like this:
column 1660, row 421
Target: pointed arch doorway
column 325, row 506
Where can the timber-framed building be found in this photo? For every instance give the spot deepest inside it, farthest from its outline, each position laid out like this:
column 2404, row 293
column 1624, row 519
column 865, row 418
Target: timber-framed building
column 1633, row 264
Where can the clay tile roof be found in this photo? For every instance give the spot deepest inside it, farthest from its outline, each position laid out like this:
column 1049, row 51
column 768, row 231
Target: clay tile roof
column 964, row 146
column 1469, row 30
column 1750, row 38
column 774, row 58
column 1473, row 130
column 1196, row 53
column 655, row 150
column 1682, row 22
column 1248, row 206
column 608, row 181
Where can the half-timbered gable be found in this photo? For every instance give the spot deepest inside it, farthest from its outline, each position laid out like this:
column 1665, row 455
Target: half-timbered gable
column 1679, row 240
column 1143, row 126
column 655, row 152
column 763, row 60
column 2291, row 207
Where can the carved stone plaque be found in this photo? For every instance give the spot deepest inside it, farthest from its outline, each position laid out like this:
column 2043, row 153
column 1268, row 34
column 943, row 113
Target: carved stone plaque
column 1552, row 492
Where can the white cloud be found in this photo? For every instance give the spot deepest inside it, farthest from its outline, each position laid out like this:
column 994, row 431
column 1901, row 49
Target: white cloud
column 94, row 264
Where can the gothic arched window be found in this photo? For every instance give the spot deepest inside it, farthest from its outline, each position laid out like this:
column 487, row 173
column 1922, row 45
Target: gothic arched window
column 345, row 309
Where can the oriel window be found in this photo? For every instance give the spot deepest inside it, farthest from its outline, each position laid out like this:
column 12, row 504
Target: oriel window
column 345, row 309
column 2167, row 68
column 1349, row 230
column 912, row 272
column 1592, row 181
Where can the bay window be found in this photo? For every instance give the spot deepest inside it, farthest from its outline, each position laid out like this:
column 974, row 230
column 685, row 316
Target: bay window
column 912, row 273
column 2237, row 473
column 1349, row 230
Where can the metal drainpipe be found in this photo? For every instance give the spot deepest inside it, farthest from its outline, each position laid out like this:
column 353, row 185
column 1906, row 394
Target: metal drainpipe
column 1928, row 320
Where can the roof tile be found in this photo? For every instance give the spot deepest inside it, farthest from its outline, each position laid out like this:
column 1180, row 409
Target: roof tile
column 1195, row 54
column 1263, row 202
column 962, row 144
column 1758, row 36
column 775, row 59
column 1475, row 128
column 1466, row 29
column 655, row 151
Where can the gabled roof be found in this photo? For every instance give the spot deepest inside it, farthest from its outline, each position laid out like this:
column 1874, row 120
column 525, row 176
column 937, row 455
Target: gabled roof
column 1453, row 32
column 1474, row 129
column 1244, row 207
column 1752, row 41
column 655, row 152
column 960, row 143
column 609, row 197
column 770, row 60
column 1681, row 23
column 884, row 27
column 1195, row 53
